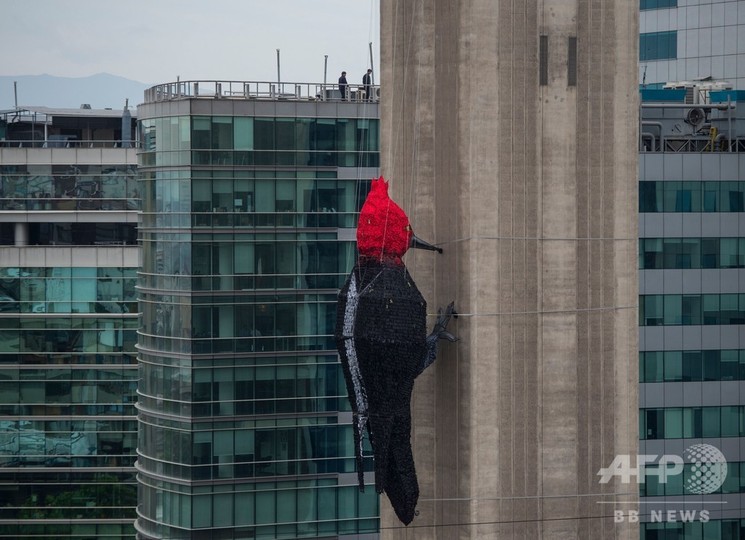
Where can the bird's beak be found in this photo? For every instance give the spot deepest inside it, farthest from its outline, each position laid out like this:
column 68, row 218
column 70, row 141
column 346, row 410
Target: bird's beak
column 418, row 243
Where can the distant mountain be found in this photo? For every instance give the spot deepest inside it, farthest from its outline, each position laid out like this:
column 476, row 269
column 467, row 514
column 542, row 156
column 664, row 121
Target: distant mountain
column 100, row 91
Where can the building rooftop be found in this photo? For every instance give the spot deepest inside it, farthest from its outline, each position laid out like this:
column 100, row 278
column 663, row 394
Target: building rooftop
column 692, row 117
column 50, row 127
column 258, row 90
column 51, row 112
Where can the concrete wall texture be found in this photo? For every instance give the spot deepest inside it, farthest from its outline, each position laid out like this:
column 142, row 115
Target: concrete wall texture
column 531, row 190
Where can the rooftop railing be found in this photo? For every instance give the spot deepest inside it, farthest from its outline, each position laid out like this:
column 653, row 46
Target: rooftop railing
column 262, row 90
column 67, row 203
column 52, row 142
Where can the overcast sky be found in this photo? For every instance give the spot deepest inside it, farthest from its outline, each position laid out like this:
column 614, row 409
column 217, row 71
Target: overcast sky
column 154, row 41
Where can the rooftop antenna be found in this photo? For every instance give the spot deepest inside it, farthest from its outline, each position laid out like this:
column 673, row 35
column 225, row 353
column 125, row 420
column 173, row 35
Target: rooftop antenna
column 372, row 79
column 279, row 79
column 325, row 67
column 126, row 126
column 15, row 92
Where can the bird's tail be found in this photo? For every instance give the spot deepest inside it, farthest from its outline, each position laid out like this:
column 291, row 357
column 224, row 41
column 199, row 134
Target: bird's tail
column 400, row 483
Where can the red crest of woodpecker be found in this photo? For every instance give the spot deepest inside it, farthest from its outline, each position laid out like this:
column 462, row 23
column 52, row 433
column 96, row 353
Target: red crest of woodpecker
column 383, row 231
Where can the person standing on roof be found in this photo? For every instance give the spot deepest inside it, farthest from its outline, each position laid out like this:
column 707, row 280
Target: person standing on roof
column 367, row 83
column 343, row 85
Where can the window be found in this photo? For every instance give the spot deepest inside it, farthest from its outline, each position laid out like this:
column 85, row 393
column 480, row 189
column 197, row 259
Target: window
column 655, row 423
column 201, row 133
column 709, row 365
column 691, row 422
column 711, row 197
column 730, row 417
column 711, row 421
column 690, row 253
column 673, row 365
column 691, row 309
column 243, row 133
column 657, row 4
column 652, row 366
column 732, row 196
column 692, row 365
column 710, row 253
column 650, row 310
column 673, row 423
column 671, row 248
column 673, row 309
column 674, row 199
column 674, row 196
column 285, row 141
column 658, row 46
column 652, row 487
column 729, row 311
column 728, row 365
column 652, row 253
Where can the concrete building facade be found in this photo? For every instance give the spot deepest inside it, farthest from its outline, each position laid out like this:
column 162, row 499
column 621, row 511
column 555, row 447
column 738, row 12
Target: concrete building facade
column 508, row 133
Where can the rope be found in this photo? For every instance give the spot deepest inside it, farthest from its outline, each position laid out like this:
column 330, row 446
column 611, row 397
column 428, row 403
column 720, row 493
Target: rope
column 541, row 312
column 506, row 522
column 409, row 198
column 533, row 497
column 364, row 150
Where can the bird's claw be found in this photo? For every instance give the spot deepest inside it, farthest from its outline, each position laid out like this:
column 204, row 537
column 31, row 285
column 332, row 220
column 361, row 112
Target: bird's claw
column 447, row 335
column 443, row 318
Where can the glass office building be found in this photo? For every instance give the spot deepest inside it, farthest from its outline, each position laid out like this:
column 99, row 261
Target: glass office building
column 685, row 40
column 692, row 308
column 68, row 323
column 691, row 254
column 250, row 197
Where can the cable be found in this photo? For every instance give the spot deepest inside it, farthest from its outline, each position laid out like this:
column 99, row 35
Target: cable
column 507, row 522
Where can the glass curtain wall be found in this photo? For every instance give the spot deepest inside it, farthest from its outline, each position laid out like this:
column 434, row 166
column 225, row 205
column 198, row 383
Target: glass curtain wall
column 67, row 390
column 244, row 423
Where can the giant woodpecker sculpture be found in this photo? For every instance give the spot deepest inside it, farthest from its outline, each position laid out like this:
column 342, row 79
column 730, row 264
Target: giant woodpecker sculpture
column 383, row 343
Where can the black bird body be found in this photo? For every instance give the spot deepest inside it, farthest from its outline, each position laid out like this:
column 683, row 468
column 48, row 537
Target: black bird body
column 381, row 333
column 383, row 344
